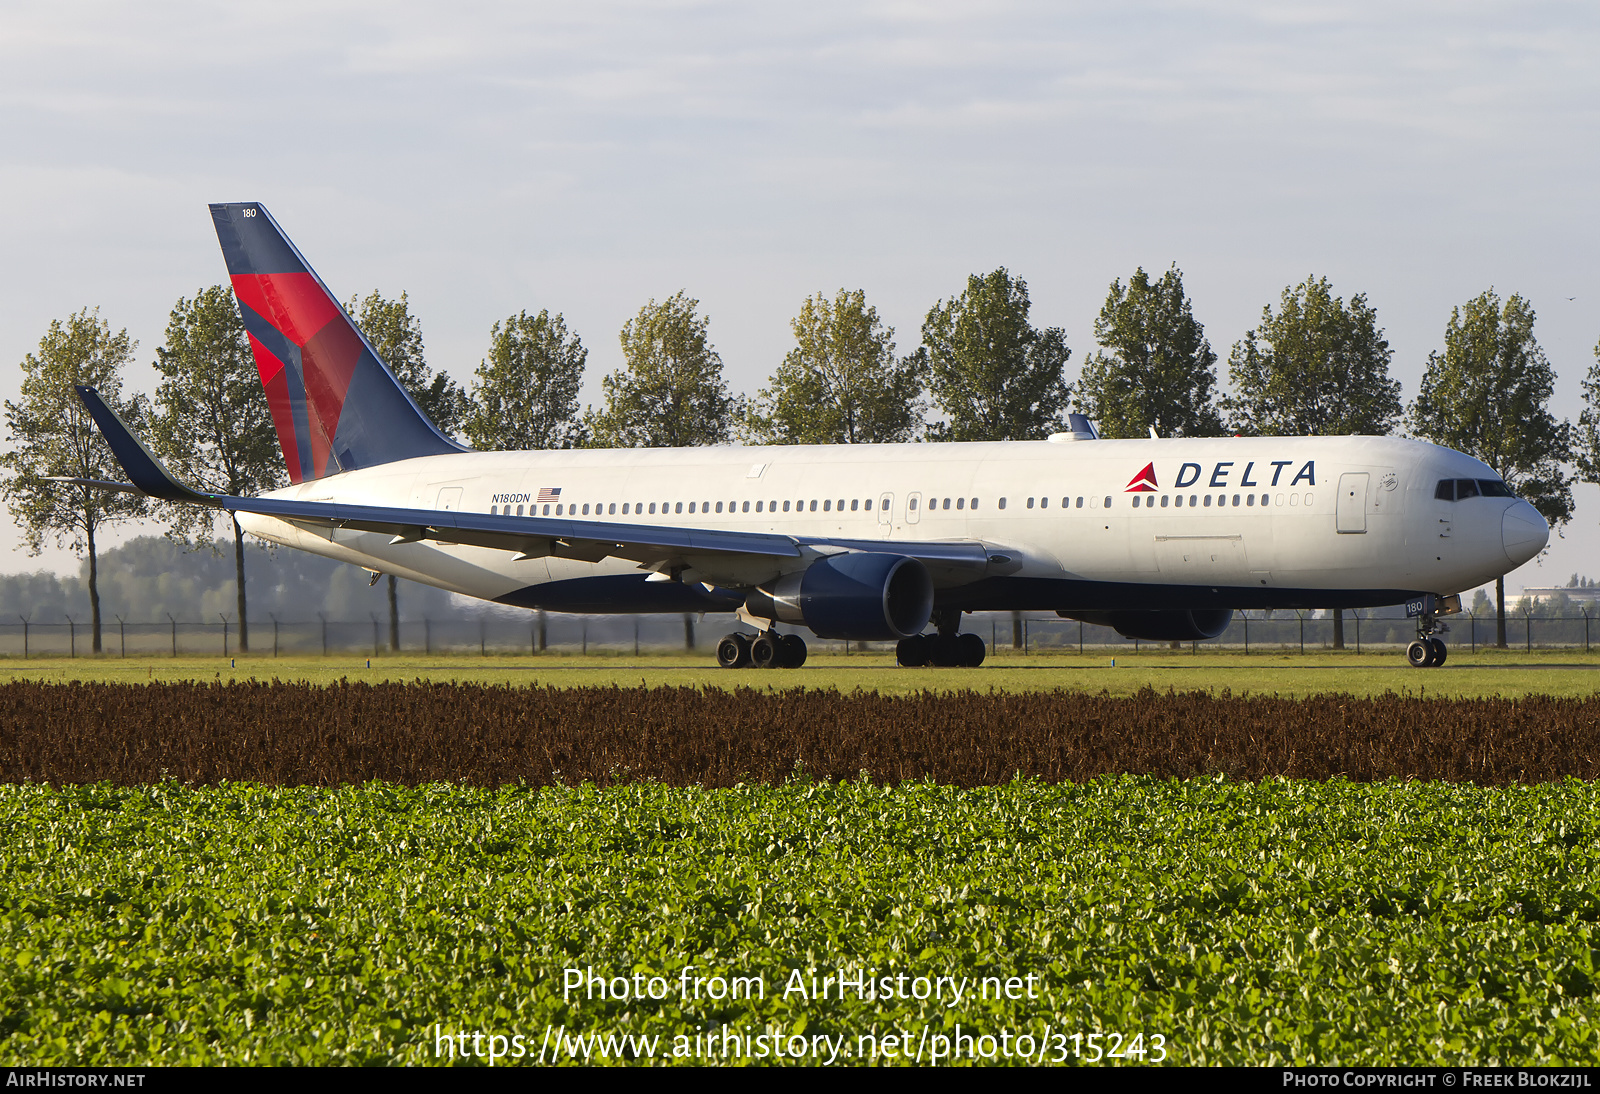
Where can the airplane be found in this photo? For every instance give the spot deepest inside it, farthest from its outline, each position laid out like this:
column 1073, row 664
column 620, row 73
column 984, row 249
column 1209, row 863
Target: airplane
column 1160, row 539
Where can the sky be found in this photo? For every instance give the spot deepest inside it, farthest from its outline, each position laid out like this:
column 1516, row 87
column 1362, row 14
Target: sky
column 490, row 158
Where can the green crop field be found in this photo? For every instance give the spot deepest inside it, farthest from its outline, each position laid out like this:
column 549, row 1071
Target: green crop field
column 1129, row 920
column 1466, row 675
column 752, row 912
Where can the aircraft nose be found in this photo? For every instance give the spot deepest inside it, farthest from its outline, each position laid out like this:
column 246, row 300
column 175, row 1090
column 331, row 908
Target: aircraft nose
column 1524, row 532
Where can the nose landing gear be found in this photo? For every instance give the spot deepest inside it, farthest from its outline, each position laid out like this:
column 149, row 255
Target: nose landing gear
column 1427, row 652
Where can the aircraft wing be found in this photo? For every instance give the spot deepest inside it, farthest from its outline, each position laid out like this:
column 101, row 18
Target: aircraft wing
column 529, row 537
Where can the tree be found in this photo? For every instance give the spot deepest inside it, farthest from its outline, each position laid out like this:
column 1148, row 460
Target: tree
column 1488, row 395
column 1160, row 371
column 1317, row 367
column 1586, row 447
column 671, row 393
column 211, row 421
column 995, row 377
column 841, row 384
column 525, row 395
column 51, row 434
column 397, row 336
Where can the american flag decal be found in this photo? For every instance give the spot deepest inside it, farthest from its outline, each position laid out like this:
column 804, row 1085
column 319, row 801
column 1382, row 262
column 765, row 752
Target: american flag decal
column 547, row 493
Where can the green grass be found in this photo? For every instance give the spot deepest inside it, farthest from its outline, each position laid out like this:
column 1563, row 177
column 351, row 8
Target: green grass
column 1466, row 675
column 1278, row 922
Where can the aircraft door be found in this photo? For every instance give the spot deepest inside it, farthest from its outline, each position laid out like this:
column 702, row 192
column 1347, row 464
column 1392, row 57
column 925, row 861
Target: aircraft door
column 885, row 516
column 1352, row 505
column 913, row 507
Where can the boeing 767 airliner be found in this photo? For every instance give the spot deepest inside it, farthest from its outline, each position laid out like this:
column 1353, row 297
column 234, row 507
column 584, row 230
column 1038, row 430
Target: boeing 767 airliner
column 1160, row 539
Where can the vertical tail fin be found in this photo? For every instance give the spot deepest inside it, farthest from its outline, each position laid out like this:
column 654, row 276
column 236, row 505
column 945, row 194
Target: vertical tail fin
column 334, row 402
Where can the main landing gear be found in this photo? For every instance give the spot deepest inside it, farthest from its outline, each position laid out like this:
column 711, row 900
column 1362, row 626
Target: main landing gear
column 1427, row 652
column 767, row 650
column 947, row 649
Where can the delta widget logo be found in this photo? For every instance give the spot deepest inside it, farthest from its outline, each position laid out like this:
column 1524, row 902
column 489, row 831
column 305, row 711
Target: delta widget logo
column 1144, row 482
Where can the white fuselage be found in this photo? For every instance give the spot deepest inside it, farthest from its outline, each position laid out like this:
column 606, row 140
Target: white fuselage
column 1263, row 521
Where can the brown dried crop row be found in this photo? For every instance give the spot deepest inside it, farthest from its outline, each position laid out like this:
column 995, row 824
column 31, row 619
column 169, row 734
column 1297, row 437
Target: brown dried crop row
column 299, row 734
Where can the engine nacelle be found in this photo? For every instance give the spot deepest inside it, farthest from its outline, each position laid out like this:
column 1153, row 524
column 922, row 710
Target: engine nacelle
column 1169, row 625
column 860, row 595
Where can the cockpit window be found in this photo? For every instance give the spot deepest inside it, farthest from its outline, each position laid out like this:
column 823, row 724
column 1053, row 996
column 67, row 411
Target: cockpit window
column 1462, row 489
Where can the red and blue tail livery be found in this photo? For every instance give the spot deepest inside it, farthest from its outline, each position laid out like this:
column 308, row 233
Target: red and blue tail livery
column 335, row 404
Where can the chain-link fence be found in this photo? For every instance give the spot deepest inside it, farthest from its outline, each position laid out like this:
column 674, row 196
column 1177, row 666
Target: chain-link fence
column 1008, row 635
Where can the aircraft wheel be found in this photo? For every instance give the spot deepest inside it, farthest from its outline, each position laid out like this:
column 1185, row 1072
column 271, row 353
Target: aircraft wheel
column 766, row 651
column 733, row 652
column 791, row 651
column 972, row 650
column 1419, row 654
column 946, row 652
column 1440, row 651
column 912, row 652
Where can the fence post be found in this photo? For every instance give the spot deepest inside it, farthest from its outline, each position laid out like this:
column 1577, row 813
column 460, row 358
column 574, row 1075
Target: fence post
column 224, row 633
column 72, row 629
column 636, row 636
column 1302, row 617
column 122, row 634
column 1585, row 630
column 1472, row 623
column 1527, row 619
column 24, row 636
column 1080, row 637
column 1246, row 618
column 374, row 633
column 1357, row 614
column 427, row 636
column 274, row 633
column 483, row 641
column 174, row 623
column 324, row 619
column 586, row 637
column 1024, row 638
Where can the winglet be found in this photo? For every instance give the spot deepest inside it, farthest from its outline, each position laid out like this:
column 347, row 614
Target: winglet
column 144, row 470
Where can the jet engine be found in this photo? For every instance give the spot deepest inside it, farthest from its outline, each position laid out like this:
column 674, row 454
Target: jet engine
column 1169, row 625
column 861, row 595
